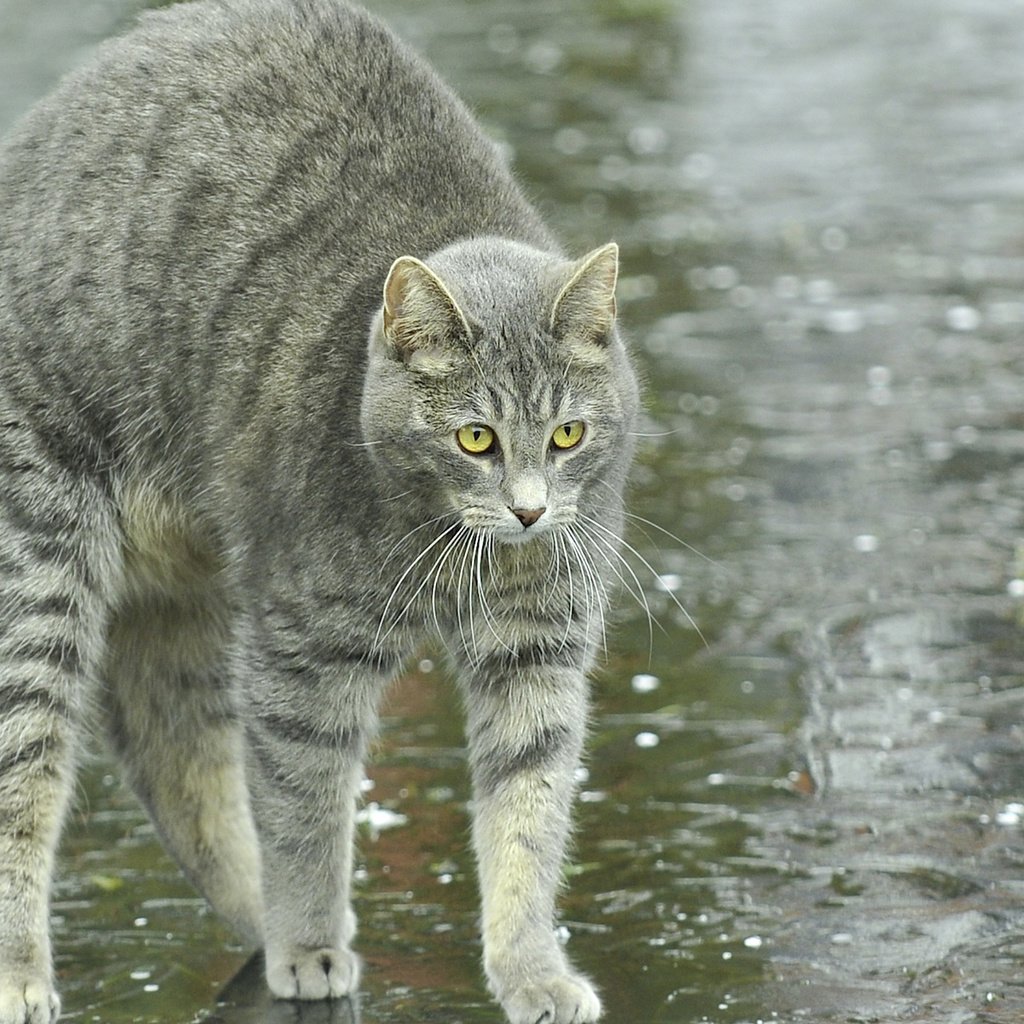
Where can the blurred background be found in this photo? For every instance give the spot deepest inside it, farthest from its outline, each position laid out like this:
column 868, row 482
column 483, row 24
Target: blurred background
column 811, row 809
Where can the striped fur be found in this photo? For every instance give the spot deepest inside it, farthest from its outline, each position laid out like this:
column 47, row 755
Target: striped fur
column 258, row 266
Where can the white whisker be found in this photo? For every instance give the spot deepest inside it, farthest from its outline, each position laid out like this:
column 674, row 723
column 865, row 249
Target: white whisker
column 633, row 517
column 487, row 541
column 611, row 539
column 466, row 590
column 609, row 553
column 383, row 634
column 397, row 546
column 436, row 571
column 594, row 589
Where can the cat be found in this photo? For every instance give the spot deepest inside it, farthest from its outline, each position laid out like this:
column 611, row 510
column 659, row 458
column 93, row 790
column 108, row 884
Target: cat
column 292, row 378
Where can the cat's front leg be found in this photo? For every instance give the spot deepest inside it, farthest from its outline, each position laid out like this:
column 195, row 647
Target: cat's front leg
column 307, row 733
column 526, row 724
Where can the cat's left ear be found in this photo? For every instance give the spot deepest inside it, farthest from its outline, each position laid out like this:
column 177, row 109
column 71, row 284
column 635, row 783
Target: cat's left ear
column 420, row 313
column 585, row 307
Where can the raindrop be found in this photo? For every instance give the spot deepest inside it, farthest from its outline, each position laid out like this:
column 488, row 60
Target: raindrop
column 1015, row 588
column 963, row 318
column 646, row 740
column 380, row 818
column 716, row 779
column 820, row 291
column 570, row 141
column 842, row 939
column 140, row 922
column 543, row 57
column 151, row 988
column 865, row 543
column 426, row 666
column 879, row 377
column 644, row 683
column 844, row 321
column 647, row 139
column 938, row 451
column 698, row 167
column 753, row 942
column 141, row 974
column 668, row 582
column 1008, row 817
column 562, row 934
column 723, row 278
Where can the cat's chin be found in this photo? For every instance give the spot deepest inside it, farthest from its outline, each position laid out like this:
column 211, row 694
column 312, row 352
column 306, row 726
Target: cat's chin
column 519, row 537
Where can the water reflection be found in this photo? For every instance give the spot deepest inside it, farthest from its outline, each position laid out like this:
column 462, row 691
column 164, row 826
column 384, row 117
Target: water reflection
column 815, row 810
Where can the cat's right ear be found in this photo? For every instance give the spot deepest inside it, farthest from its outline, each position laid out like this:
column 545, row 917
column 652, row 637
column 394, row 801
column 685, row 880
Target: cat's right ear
column 420, row 313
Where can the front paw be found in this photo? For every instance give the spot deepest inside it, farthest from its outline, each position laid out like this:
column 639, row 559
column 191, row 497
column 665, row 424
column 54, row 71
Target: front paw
column 303, row 973
column 558, row 999
column 27, row 1001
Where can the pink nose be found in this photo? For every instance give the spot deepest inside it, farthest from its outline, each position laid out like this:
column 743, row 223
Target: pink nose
column 528, row 516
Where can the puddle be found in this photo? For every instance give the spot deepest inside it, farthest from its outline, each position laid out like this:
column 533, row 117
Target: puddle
column 815, row 812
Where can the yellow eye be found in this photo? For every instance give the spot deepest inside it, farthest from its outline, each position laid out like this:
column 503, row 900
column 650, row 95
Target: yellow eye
column 568, row 435
column 475, row 438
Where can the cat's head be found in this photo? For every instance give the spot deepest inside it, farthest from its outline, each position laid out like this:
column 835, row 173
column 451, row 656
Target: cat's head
column 498, row 389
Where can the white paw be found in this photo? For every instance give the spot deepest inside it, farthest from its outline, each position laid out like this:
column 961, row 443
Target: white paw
column 30, row 1001
column 301, row 973
column 562, row 999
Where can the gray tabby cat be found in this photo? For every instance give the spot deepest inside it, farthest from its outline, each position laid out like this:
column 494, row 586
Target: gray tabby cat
column 292, row 377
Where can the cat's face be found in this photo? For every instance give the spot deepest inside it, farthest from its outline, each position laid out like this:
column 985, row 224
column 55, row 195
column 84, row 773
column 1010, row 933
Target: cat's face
column 498, row 387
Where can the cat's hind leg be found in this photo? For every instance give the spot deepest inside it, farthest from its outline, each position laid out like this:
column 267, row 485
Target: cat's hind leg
column 58, row 552
column 170, row 710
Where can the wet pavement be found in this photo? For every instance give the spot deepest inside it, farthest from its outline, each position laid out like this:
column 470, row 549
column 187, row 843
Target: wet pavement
column 812, row 809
